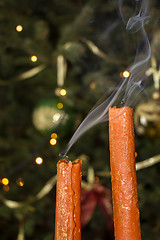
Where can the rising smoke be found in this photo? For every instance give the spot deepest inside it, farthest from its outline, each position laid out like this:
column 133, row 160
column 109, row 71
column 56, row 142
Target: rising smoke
column 130, row 87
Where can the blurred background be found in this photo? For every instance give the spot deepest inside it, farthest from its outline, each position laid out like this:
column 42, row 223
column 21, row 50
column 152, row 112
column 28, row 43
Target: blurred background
column 57, row 59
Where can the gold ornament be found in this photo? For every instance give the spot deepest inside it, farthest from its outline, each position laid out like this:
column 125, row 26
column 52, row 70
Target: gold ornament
column 147, row 118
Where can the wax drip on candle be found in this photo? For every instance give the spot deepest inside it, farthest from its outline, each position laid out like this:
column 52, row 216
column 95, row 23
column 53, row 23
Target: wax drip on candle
column 129, row 88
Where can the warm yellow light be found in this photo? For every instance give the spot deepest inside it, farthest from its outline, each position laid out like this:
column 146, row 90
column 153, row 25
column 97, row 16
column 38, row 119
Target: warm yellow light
column 34, row 58
column 5, row 181
column 126, row 74
column 39, row 160
column 6, row 188
column 20, row 182
column 59, row 105
column 54, row 135
column 56, row 117
column 53, row 141
column 19, row 28
column 63, row 92
column 92, row 85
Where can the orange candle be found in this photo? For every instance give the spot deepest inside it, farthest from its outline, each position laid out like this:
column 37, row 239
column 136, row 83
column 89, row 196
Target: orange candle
column 68, row 200
column 123, row 174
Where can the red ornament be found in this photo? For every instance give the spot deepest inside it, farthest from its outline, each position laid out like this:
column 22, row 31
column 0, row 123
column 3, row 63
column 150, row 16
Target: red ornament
column 97, row 195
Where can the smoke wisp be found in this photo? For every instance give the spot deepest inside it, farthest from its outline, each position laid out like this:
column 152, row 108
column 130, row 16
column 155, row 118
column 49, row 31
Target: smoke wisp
column 130, row 87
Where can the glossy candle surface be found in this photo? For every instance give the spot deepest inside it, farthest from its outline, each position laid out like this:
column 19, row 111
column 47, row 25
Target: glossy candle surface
column 123, row 174
column 68, row 197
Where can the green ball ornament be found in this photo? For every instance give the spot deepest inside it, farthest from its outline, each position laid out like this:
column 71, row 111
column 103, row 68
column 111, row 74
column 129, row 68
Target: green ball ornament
column 49, row 114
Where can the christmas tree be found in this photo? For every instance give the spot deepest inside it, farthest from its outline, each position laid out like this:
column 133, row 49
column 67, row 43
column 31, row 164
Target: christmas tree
column 58, row 58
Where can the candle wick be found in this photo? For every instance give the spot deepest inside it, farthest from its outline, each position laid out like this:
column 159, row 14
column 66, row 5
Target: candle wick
column 64, row 155
column 122, row 102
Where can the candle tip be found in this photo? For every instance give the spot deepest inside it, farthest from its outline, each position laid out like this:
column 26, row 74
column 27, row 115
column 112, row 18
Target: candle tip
column 64, row 155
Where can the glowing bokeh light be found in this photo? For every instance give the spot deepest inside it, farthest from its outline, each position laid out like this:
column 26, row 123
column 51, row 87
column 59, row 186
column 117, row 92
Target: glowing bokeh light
column 92, row 85
column 39, row 160
column 56, row 117
column 34, row 58
column 63, row 92
column 126, row 74
column 54, row 135
column 53, row 141
column 5, row 181
column 59, row 105
column 6, row 188
column 20, row 182
column 19, row 28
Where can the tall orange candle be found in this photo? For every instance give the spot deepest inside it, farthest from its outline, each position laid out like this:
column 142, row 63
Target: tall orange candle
column 123, row 174
column 68, row 200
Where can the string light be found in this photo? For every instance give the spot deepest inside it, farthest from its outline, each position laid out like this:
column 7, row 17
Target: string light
column 34, row 58
column 63, row 92
column 59, row 105
column 53, row 141
column 126, row 74
column 54, row 135
column 39, row 160
column 6, row 188
column 5, row 181
column 20, row 182
column 92, row 85
column 19, row 28
column 56, row 117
